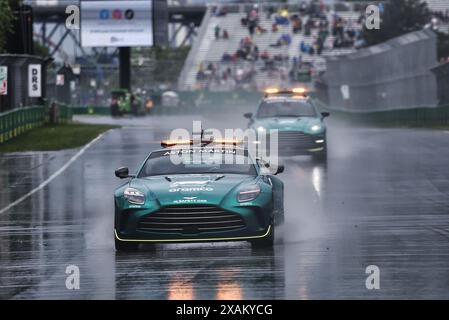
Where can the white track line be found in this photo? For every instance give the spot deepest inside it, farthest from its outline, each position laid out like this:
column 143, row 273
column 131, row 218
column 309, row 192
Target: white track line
column 52, row 177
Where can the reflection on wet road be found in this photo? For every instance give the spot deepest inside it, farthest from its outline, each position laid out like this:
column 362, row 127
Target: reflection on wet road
column 382, row 199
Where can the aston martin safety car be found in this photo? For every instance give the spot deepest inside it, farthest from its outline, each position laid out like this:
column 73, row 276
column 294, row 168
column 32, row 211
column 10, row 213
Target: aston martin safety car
column 300, row 127
column 187, row 192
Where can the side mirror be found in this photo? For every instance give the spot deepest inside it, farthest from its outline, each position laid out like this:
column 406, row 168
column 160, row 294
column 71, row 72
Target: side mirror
column 248, row 115
column 280, row 169
column 325, row 114
column 122, row 173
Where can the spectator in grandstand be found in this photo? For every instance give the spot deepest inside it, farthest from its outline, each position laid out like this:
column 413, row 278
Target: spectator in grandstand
column 281, row 20
column 296, row 24
column 201, row 75
column 286, row 39
column 323, row 33
column 297, row 62
column 303, row 47
column 308, row 27
column 270, row 12
column 280, row 57
column 252, row 20
column 269, row 65
column 338, row 27
column 303, row 8
column 260, row 30
column 225, row 34
column 255, row 53
column 227, row 74
column 210, row 68
column 252, row 24
column 226, row 57
column 311, row 50
column 315, row 9
column 265, row 55
column 217, row 31
column 274, row 27
column 442, row 16
column 319, row 44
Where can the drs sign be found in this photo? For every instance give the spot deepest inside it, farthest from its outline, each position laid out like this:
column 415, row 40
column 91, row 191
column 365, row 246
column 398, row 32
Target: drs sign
column 34, row 81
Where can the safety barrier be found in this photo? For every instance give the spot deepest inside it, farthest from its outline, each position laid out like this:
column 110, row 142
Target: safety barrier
column 18, row 121
column 425, row 116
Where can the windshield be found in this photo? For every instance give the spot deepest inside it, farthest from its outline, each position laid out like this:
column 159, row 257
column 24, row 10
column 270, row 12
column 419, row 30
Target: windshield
column 286, row 108
column 196, row 161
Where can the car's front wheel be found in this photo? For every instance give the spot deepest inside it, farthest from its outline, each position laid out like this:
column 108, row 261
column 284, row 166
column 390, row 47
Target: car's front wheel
column 122, row 246
column 320, row 156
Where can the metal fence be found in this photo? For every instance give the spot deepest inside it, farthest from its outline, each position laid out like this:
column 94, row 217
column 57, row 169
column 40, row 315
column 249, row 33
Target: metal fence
column 393, row 75
column 18, row 121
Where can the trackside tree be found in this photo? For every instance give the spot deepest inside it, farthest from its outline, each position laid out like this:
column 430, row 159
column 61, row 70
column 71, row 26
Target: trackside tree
column 6, row 22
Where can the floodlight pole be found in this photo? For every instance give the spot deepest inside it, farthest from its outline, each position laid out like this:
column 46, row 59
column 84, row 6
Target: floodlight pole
column 125, row 68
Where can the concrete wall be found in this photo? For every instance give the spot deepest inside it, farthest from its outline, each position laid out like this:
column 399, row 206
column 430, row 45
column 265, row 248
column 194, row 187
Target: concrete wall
column 392, row 75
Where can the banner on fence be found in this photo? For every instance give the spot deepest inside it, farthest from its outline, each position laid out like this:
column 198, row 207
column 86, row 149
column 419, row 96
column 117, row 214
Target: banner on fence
column 3, row 80
column 34, row 81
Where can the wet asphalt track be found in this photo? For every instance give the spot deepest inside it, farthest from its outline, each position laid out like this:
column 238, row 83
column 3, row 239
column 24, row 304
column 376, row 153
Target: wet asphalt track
column 383, row 199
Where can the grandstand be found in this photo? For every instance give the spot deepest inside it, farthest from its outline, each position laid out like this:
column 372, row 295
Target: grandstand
column 442, row 7
column 212, row 62
column 208, row 51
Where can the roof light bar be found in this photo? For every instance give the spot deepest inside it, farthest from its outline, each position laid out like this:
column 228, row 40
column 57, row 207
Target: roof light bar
column 173, row 143
column 271, row 90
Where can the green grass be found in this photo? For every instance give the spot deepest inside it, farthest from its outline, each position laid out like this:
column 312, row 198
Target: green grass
column 54, row 137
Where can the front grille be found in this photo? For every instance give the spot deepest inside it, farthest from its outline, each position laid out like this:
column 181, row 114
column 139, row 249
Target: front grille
column 293, row 142
column 293, row 139
column 191, row 219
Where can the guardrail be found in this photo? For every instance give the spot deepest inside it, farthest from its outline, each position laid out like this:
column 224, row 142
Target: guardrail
column 65, row 114
column 18, row 121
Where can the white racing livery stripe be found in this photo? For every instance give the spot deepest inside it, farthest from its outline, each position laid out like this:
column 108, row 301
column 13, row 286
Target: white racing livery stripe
column 53, row 176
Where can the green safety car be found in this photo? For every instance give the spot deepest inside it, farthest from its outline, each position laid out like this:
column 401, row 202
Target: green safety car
column 300, row 127
column 198, row 192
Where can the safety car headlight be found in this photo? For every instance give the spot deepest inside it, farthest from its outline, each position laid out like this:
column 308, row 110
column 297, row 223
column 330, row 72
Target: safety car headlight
column 316, row 127
column 134, row 196
column 248, row 193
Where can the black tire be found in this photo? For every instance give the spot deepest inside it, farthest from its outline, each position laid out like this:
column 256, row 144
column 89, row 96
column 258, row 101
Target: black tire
column 266, row 242
column 320, row 157
column 122, row 246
